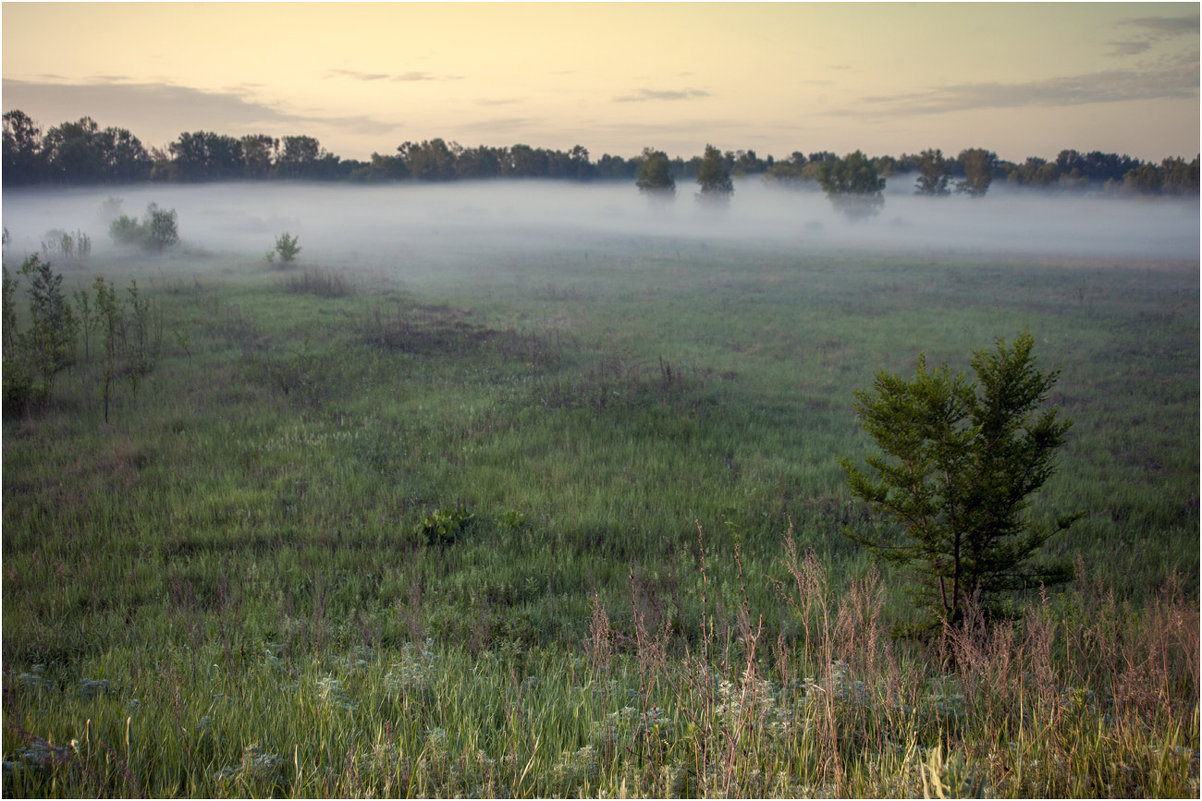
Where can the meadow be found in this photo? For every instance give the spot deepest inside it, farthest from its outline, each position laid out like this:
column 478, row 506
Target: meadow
column 563, row 515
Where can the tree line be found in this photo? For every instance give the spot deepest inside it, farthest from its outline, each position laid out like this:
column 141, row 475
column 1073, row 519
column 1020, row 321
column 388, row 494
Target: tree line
column 84, row 153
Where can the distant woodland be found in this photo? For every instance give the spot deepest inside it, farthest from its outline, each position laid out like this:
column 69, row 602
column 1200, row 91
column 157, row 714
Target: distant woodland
column 84, row 153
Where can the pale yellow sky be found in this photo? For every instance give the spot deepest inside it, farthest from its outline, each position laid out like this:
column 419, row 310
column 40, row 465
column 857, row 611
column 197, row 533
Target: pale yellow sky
column 1019, row 79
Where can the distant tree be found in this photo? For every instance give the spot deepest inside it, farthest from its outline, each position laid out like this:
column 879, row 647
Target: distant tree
column 329, row 167
column 655, row 175
column 1146, row 179
column 978, row 167
column 713, row 176
column 73, row 152
column 298, row 158
column 259, row 152
column 581, row 168
column 959, row 463
column 22, row 149
column 933, row 174
column 387, row 168
column 746, row 162
column 852, row 185
column 432, row 160
column 1094, row 166
column 162, row 165
column 1033, row 172
column 616, row 168
column 794, row 172
column 128, row 160
column 886, row 166
column 207, row 156
column 1180, row 176
column 527, row 162
column 480, row 162
column 82, row 152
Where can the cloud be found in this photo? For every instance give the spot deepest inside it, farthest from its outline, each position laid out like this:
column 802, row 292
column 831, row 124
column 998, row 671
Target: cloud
column 157, row 112
column 403, row 77
column 659, row 94
column 358, row 76
column 425, row 76
column 1150, row 30
column 1111, row 86
column 1167, row 26
column 1132, row 48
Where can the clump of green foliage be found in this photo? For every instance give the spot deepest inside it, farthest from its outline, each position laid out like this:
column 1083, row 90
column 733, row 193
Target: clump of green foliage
column 853, row 185
column 70, row 247
column 46, row 346
column 713, row 176
column 655, row 175
column 42, row 343
column 443, row 525
column 960, row 462
column 286, row 248
column 157, row 230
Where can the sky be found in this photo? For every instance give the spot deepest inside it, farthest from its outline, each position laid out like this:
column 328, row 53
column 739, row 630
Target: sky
column 1018, row 79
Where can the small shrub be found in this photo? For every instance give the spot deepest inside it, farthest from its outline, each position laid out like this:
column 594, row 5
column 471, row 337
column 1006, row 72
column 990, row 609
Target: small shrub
column 286, row 247
column 161, row 227
column 46, row 346
column 126, row 230
column 158, row 230
column 443, row 526
column 62, row 245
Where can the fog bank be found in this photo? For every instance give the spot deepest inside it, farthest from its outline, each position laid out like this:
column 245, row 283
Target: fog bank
column 343, row 221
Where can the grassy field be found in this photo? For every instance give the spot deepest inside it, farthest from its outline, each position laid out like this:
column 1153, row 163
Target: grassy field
column 567, row 520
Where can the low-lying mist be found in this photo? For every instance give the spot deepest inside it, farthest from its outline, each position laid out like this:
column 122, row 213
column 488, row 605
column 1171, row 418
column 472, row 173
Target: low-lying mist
column 377, row 223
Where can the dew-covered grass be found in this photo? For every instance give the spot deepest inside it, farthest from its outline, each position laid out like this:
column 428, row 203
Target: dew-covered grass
column 519, row 529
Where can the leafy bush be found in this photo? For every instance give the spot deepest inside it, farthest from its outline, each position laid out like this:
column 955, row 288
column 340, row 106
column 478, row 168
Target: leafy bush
column 442, row 526
column 126, row 230
column 161, row 227
column 157, row 230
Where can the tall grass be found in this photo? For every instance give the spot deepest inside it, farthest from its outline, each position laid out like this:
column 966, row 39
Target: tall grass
column 233, row 588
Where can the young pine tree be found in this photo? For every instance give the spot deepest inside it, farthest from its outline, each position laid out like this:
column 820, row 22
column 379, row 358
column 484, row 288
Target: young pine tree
column 958, row 467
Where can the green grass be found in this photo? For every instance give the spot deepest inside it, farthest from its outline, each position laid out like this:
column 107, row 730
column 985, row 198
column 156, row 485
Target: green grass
column 247, row 553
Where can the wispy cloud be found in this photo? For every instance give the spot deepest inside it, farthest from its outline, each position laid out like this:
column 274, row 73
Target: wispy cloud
column 1111, row 86
column 1130, row 48
column 1167, row 26
column 160, row 108
column 1147, row 31
column 425, row 76
column 403, row 77
column 358, row 76
column 643, row 95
